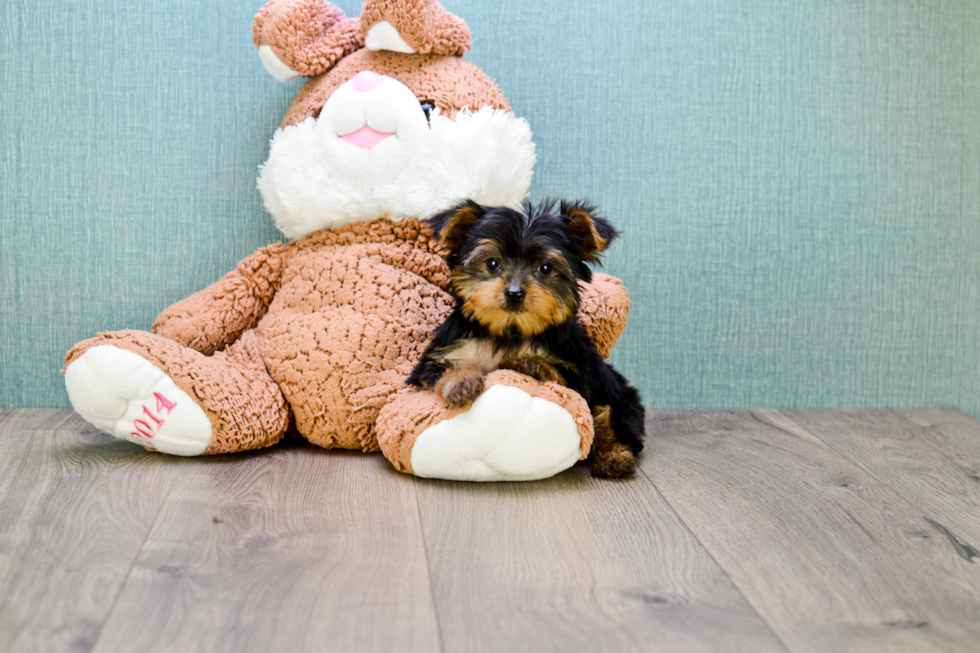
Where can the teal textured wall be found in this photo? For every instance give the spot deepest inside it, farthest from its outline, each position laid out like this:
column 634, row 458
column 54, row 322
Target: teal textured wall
column 799, row 182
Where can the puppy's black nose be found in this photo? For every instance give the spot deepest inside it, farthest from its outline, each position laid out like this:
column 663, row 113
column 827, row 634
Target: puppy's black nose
column 514, row 294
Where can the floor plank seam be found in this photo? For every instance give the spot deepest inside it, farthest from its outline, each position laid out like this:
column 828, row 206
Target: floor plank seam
column 428, row 565
column 715, row 560
column 927, row 515
column 6, row 414
column 122, row 586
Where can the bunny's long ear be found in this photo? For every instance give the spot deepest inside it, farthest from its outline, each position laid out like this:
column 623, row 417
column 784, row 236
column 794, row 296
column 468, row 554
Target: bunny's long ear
column 410, row 26
column 303, row 37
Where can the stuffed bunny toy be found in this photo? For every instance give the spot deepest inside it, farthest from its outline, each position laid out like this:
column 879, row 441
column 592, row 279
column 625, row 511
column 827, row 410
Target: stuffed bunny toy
column 317, row 335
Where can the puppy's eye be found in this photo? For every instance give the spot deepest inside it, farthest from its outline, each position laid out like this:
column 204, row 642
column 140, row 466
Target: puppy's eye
column 544, row 269
column 493, row 264
column 427, row 110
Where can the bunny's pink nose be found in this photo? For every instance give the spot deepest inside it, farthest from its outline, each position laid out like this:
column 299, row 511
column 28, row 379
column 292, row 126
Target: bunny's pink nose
column 366, row 81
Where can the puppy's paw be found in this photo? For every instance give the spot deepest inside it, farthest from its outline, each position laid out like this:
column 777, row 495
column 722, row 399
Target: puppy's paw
column 536, row 369
column 459, row 387
column 615, row 462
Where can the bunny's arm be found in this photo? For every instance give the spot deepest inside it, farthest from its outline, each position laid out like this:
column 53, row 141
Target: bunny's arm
column 603, row 311
column 213, row 318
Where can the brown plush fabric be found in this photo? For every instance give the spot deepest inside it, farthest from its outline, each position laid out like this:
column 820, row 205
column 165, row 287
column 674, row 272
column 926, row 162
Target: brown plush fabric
column 423, row 24
column 354, row 311
column 309, row 36
column 412, row 411
column 245, row 406
column 605, row 307
column 214, row 318
column 449, row 83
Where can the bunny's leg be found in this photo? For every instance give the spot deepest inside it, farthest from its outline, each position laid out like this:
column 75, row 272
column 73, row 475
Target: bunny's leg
column 518, row 430
column 166, row 397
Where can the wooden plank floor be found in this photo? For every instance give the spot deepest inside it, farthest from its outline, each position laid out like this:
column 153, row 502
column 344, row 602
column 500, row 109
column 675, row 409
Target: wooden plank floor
column 744, row 531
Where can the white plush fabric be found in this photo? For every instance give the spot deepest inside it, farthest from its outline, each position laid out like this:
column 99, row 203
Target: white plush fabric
column 274, row 66
column 506, row 435
column 113, row 389
column 314, row 180
column 384, row 36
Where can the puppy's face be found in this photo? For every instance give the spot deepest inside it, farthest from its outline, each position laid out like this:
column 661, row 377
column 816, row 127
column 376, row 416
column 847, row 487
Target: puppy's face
column 517, row 272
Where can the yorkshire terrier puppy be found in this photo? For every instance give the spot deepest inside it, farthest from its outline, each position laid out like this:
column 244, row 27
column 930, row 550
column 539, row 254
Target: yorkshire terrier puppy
column 515, row 277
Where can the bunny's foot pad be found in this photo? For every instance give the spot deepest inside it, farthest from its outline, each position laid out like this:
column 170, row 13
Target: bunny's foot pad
column 125, row 395
column 506, row 435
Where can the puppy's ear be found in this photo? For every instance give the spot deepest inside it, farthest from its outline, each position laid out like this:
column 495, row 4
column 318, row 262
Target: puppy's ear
column 594, row 232
column 452, row 226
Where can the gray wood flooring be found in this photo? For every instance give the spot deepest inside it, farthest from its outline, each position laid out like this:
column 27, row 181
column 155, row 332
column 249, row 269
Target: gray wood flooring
column 744, row 531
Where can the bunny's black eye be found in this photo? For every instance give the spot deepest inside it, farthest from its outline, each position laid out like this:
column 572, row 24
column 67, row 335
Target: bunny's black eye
column 427, row 110
column 544, row 269
column 493, row 264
